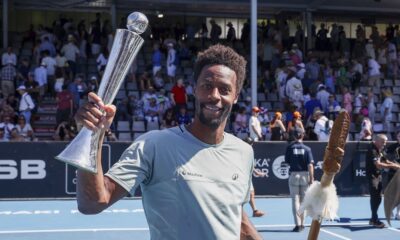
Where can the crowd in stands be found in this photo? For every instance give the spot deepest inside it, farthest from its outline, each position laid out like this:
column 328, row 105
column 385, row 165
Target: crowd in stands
column 295, row 87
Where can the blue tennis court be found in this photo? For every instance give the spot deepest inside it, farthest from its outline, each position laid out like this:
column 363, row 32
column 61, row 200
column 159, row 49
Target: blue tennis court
column 59, row 219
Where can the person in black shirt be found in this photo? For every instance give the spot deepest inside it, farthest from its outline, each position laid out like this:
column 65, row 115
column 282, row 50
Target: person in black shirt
column 301, row 162
column 376, row 162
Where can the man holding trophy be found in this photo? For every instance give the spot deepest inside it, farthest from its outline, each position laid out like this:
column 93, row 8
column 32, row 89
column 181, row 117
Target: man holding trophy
column 194, row 179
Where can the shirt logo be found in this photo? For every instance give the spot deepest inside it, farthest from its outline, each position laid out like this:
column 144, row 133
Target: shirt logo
column 235, row 176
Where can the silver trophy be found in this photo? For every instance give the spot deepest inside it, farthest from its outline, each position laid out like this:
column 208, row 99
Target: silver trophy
column 82, row 151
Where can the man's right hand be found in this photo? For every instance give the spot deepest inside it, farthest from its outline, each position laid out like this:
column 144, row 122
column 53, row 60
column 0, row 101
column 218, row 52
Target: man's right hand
column 94, row 114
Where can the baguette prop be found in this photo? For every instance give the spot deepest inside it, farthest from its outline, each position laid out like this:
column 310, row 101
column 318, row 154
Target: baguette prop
column 320, row 201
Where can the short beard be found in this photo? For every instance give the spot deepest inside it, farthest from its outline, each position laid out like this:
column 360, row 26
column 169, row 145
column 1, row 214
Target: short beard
column 212, row 123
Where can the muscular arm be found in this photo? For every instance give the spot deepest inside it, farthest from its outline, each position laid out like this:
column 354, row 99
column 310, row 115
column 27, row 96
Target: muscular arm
column 247, row 229
column 95, row 192
column 379, row 164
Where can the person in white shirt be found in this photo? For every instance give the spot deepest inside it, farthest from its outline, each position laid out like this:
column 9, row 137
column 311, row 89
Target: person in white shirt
column 323, row 97
column 71, row 51
column 7, row 126
column 321, row 128
column 41, row 78
column 255, row 125
column 294, row 88
column 51, row 69
column 26, row 104
column 374, row 73
column 171, row 67
column 9, row 56
column 386, row 110
column 370, row 49
column 301, row 72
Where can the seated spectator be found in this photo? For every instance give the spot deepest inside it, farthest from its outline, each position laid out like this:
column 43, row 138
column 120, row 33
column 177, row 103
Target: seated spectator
column 93, row 84
column 240, row 124
column 147, row 95
column 137, row 104
column 151, row 111
column 65, row 131
column 158, row 80
column 24, row 129
column 7, row 125
column 7, row 110
column 59, row 81
column 125, row 111
column 15, row 136
column 366, row 129
column 168, row 119
column 3, row 135
column 277, row 128
column 183, row 116
column 178, row 95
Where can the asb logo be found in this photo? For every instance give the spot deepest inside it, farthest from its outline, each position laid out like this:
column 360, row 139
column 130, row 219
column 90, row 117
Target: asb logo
column 280, row 168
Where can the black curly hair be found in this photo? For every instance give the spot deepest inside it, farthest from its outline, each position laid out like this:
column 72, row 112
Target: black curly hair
column 222, row 55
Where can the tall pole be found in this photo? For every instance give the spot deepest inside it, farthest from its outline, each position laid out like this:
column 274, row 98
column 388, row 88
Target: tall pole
column 253, row 52
column 309, row 33
column 113, row 13
column 5, row 24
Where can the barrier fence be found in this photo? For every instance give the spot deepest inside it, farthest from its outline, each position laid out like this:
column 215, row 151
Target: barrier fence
column 29, row 170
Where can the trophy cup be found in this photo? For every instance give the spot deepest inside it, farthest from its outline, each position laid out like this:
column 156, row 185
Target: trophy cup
column 82, row 151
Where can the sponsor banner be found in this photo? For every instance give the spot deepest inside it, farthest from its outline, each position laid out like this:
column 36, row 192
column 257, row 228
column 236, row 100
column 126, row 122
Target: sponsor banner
column 29, row 170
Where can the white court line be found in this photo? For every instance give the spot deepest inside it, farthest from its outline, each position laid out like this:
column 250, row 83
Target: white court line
column 75, row 230
column 335, row 234
column 393, row 229
column 323, row 225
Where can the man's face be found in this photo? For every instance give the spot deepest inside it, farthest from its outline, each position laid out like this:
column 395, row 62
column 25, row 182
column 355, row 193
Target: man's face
column 215, row 94
column 380, row 143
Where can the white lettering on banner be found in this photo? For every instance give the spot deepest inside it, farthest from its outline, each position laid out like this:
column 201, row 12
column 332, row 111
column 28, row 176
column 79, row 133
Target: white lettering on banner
column 29, row 169
column 360, row 173
column 33, row 169
column 262, row 164
column 8, row 169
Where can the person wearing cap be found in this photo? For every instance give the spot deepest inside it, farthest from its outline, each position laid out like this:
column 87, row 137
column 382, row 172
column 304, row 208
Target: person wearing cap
column 295, row 123
column 215, row 32
column 171, row 62
column 8, row 74
column 301, row 174
column 231, row 35
column 26, row 104
column 277, row 128
column 322, row 126
column 294, row 88
column 255, row 125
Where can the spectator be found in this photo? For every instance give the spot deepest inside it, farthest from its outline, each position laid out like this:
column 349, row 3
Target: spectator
column 293, row 124
column 294, row 88
column 7, row 125
column 323, row 97
column 71, row 52
column 65, row 131
column 24, row 129
column 62, row 63
column 145, row 81
column 264, row 120
column 386, row 110
column 333, row 107
column 371, row 105
column 32, row 87
column 9, row 57
column 26, row 104
column 311, row 105
column 73, row 88
column 366, row 129
column 151, row 111
column 156, row 58
column 240, row 124
column 215, row 32
column 277, row 128
column 347, row 101
column 8, row 74
column 322, row 126
column 102, row 60
column 65, row 105
column 158, row 80
column 15, row 136
column 183, row 117
column 59, row 80
column 168, row 119
column 171, row 62
column 47, row 45
column 22, row 71
column 178, row 95
column 51, row 64
column 374, row 74
column 255, row 125
column 231, row 35
column 2, row 135
column 370, row 49
column 41, row 79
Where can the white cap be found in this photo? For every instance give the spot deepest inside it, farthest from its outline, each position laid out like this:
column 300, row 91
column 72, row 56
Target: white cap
column 22, row 87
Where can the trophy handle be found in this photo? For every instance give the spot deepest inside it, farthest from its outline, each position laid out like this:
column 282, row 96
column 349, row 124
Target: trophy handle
column 82, row 151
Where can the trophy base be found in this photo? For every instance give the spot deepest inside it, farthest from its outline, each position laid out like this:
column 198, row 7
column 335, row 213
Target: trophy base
column 78, row 165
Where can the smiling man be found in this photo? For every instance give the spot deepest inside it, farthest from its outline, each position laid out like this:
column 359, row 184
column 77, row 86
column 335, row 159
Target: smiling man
column 194, row 178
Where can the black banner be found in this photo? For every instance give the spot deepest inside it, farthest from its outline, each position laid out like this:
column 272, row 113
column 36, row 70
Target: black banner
column 29, row 170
